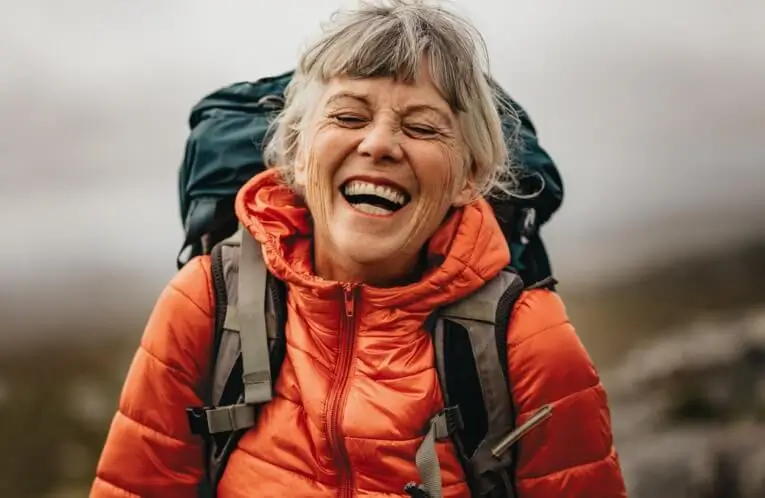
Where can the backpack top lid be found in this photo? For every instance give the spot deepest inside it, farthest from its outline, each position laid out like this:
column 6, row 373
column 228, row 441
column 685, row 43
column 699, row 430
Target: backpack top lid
column 225, row 149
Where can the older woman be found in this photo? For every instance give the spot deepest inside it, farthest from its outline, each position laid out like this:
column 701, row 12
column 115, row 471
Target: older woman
column 373, row 217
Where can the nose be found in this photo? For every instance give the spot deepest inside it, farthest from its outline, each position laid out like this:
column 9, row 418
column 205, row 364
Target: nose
column 382, row 143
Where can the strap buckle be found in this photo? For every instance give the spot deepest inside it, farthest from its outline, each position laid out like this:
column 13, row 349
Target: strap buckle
column 447, row 422
column 206, row 421
column 416, row 491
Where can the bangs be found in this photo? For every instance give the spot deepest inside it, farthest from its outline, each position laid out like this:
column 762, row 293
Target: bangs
column 396, row 47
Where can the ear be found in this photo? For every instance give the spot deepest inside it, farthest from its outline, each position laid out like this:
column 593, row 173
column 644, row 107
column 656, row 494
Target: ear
column 299, row 169
column 465, row 196
column 468, row 192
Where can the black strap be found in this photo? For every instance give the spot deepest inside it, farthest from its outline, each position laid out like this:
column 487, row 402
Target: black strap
column 277, row 294
column 545, row 283
column 221, row 303
column 502, row 319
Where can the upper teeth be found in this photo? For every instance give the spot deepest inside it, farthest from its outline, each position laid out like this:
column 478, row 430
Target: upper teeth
column 357, row 187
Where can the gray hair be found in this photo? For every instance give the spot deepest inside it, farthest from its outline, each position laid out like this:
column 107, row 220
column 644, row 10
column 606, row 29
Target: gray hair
column 391, row 39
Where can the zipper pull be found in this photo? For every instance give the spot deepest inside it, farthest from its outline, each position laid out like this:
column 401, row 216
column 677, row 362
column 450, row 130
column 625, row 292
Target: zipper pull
column 539, row 416
column 350, row 299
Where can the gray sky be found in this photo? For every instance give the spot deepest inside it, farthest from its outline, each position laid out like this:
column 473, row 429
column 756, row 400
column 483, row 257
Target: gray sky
column 653, row 109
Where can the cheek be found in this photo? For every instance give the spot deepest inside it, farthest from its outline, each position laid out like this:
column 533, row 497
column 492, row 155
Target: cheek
column 314, row 142
column 318, row 178
column 322, row 159
column 441, row 176
column 438, row 173
column 326, row 150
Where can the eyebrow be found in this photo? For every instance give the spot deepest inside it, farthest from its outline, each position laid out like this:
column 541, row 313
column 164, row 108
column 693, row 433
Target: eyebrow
column 363, row 99
column 348, row 95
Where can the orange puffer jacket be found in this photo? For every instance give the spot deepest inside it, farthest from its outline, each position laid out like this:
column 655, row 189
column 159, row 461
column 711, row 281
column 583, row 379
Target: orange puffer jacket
column 354, row 392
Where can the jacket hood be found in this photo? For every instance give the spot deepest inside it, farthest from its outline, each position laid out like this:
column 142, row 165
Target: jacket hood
column 466, row 251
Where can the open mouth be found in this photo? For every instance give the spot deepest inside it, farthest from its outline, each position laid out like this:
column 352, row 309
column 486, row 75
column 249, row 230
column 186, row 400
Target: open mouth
column 371, row 198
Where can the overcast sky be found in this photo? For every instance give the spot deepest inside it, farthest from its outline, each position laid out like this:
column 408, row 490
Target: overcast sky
column 653, row 109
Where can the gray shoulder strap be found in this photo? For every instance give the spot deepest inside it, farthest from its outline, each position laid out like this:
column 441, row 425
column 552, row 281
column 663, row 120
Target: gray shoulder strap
column 481, row 306
column 230, row 344
column 245, row 330
column 251, row 311
column 477, row 314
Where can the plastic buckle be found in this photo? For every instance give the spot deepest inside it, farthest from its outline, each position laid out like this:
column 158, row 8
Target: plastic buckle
column 197, row 419
column 415, row 491
column 453, row 417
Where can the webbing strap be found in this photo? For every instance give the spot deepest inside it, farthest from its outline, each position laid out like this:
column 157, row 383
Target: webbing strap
column 256, row 369
column 428, row 466
column 230, row 418
column 231, row 322
column 441, row 426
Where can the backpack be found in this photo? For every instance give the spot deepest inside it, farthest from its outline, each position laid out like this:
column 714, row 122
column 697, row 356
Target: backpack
column 470, row 344
column 224, row 150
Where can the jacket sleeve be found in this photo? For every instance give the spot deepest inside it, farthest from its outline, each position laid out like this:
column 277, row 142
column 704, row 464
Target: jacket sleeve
column 571, row 454
column 149, row 451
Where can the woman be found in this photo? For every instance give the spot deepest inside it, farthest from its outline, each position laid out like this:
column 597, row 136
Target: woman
column 387, row 145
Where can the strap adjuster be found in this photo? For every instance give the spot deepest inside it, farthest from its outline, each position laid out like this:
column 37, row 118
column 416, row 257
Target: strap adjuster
column 447, row 422
column 416, row 490
column 205, row 421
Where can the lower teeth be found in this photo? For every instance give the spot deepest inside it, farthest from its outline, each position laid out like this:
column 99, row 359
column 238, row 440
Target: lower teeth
column 370, row 209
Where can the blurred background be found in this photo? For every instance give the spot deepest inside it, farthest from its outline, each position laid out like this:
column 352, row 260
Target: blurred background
column 654, row 111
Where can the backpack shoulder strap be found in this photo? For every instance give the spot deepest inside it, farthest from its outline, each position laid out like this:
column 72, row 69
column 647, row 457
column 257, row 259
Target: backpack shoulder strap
column 251, row 312
column 470, row 341
column 482, row 319
column 248, row 348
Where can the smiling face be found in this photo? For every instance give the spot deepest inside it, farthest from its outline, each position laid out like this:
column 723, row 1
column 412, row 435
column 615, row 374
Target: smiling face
column 382, row 163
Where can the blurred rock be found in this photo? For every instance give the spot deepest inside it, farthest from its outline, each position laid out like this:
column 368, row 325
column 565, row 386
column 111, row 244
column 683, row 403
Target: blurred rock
column 689, row 412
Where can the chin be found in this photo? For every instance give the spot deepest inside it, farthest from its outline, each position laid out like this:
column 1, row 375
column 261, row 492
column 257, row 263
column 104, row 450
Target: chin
column 367, row 253
column 364, row 249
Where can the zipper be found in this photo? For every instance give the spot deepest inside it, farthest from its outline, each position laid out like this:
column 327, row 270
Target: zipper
column 338, row 394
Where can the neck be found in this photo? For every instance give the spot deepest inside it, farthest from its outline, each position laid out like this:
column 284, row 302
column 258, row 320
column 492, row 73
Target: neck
column 402, row 271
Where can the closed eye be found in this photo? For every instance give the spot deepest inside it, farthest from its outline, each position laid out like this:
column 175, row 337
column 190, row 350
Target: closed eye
column 349, row 120
column 419, row 131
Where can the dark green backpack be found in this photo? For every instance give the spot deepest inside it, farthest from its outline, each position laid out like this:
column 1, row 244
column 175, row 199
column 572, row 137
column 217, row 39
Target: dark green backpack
column 225, row 146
